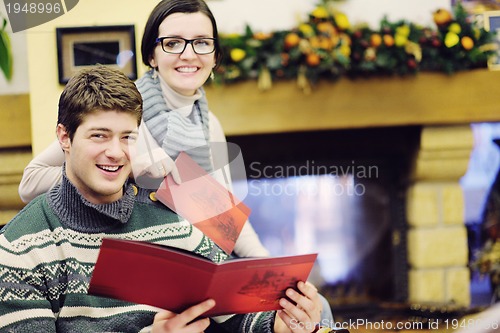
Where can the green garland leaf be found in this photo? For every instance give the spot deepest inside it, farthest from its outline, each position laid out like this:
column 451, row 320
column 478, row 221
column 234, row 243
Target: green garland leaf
column 6, row 64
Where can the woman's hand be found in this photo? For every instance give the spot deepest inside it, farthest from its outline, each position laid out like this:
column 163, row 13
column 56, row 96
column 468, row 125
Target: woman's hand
column 185, row 322
column 155, row 164
column 301, row 312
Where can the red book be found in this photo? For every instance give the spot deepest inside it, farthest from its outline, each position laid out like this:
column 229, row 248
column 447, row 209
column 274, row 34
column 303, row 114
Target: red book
column 175, row 279
column 204, row 202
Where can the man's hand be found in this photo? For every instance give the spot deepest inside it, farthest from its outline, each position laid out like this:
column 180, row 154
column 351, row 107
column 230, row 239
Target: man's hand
column 184, row 322
column 301, row 311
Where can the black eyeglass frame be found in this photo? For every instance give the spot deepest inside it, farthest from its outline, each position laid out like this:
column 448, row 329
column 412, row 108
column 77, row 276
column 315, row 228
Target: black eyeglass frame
column 186, row 42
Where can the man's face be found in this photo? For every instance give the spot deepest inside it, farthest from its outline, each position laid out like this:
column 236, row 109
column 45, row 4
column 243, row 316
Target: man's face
column 98, row 157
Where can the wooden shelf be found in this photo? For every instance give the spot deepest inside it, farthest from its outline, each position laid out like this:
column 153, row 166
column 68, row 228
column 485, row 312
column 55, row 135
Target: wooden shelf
column 425, row 99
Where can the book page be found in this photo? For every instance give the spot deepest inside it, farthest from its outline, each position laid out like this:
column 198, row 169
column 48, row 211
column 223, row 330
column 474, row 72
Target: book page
column 205, row 203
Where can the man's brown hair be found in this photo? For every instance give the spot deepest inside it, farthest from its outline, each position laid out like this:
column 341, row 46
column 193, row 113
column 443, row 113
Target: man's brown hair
column 99, row 88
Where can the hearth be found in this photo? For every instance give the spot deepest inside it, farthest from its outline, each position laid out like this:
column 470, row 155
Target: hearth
column 341, row 193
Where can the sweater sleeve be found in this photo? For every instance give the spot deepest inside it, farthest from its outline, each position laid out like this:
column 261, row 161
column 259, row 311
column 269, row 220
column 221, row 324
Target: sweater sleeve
column 42, row 173
column 22, row 305
column 261, row 322
column 248, row 243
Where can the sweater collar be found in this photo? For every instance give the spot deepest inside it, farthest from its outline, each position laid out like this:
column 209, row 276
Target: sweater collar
column 77, row 213
column 178, row 102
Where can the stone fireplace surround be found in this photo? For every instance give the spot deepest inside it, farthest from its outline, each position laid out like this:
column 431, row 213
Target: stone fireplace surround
column 437, row 107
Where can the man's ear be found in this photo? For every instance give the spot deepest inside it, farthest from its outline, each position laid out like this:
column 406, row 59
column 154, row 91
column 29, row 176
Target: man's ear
column 63, row 137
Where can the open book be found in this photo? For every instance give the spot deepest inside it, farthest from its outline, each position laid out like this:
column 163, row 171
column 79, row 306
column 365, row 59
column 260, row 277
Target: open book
column 176, row 279
column 204, row 202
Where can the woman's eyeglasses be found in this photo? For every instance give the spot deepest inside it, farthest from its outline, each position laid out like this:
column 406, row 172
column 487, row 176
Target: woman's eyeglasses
column 177, row 45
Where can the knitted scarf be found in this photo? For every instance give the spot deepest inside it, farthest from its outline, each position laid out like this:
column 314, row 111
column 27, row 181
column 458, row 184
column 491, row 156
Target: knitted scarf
column 173, row 132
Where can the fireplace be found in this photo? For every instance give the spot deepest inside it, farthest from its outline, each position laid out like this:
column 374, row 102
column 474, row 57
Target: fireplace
column 416, row 190
column 341, row 193
column 437, row 109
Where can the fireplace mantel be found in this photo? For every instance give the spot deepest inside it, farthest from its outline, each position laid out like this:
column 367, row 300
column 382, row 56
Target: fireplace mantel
column 424, row 99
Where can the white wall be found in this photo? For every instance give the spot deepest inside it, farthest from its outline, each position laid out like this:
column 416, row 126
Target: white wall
column 263, row 15
column 269, row 15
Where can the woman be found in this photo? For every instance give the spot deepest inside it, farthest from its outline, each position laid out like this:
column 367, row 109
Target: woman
column 176, row 116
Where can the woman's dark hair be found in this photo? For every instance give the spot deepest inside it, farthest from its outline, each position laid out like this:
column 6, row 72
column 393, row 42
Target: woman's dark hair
column 165, row 8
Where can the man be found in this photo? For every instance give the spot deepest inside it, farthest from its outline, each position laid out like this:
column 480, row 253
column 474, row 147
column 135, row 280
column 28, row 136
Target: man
column 48, row 251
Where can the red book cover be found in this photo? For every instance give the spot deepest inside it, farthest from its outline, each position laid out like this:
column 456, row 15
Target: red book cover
column 204, row 202
column 175, row 279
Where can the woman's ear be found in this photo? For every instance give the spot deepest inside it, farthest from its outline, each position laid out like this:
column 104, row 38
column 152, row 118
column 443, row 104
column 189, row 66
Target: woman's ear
column 152, row 62
column 63, row 137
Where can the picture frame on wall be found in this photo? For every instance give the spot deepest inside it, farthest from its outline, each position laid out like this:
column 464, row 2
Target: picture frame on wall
column 492, row 23
column 474, row 7
column 84, row 47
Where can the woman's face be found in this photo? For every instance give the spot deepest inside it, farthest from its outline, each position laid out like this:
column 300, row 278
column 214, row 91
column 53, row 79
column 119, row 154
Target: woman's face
column 187, row 71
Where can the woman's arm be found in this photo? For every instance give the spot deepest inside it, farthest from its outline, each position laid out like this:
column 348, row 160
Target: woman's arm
column 42, row 173
column 248, row 243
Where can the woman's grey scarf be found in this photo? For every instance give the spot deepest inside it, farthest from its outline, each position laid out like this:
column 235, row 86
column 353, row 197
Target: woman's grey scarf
column 173, row 132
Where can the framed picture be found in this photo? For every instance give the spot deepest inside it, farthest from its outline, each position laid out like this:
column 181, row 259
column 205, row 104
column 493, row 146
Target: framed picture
column 478, row 6
column 492, row 23
column 83, row 47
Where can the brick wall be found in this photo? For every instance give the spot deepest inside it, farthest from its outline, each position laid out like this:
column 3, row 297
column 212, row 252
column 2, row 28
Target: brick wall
column 437, row 237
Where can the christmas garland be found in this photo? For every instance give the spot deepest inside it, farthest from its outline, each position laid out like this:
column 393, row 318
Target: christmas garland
column 326, row 46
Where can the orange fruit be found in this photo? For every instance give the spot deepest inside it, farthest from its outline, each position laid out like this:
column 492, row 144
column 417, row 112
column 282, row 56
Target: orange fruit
column 388, row 40
column 262, row 35
column 315, row 42
column 325, row 43
column 375, row 40
column 313, row 59
column 291, row 40
column 467, row 42
column 442, row 16
column 326, row 27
